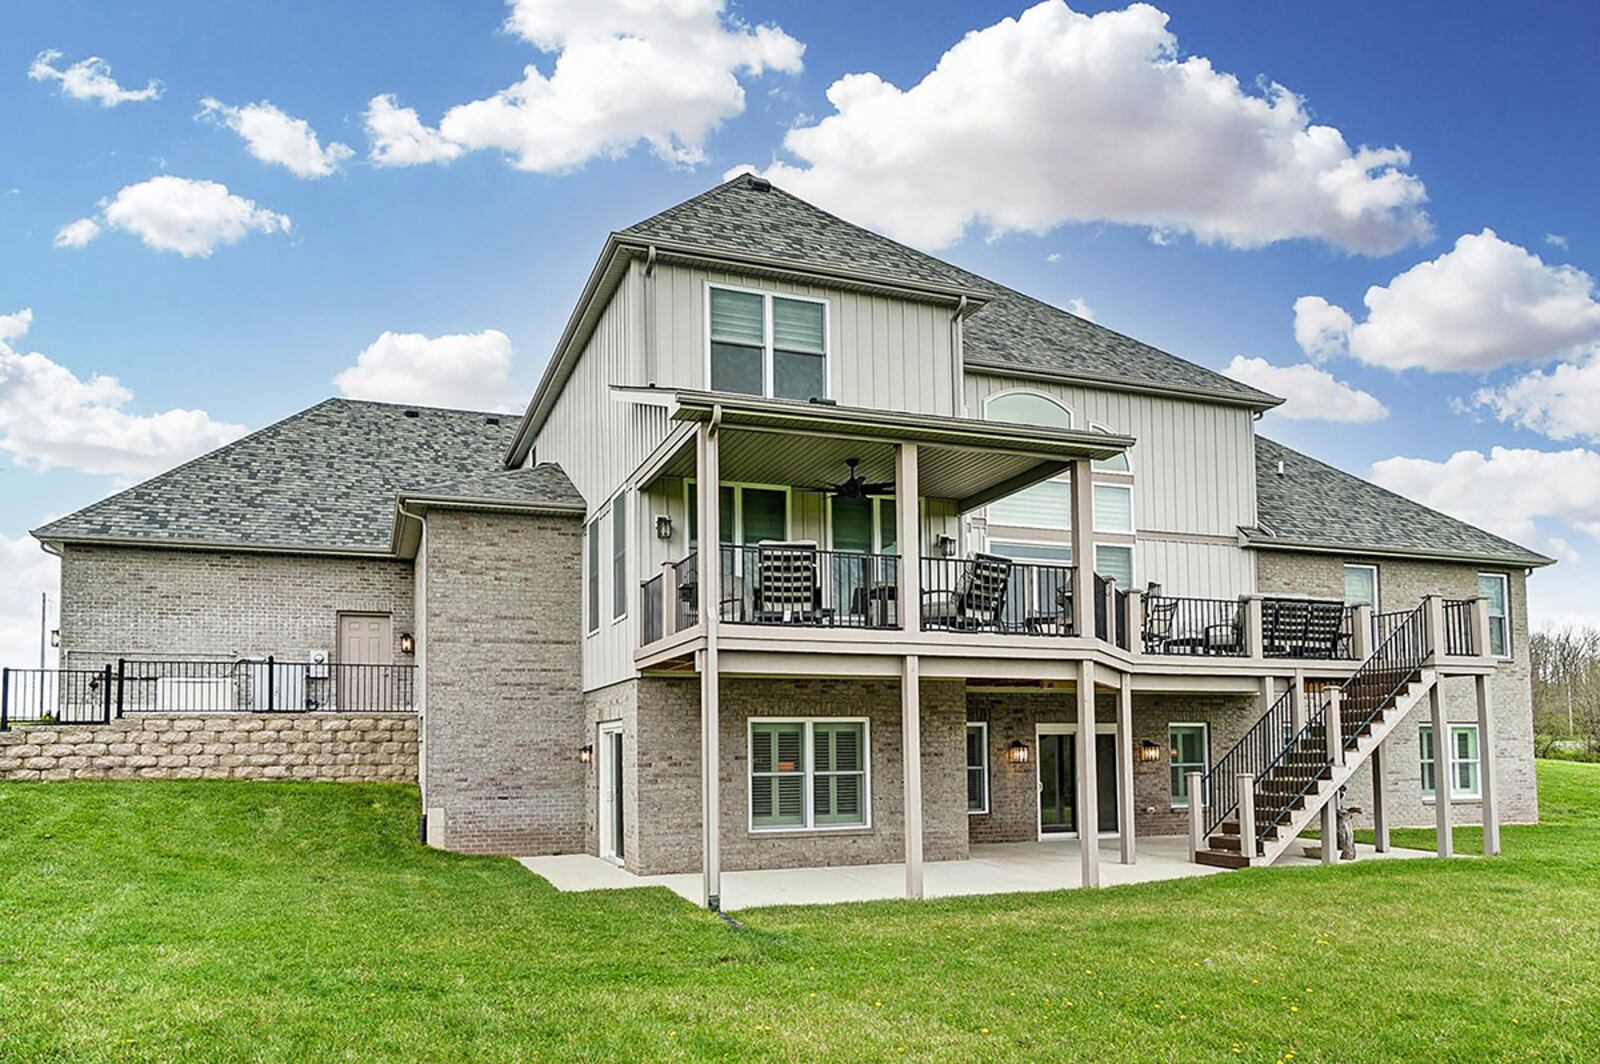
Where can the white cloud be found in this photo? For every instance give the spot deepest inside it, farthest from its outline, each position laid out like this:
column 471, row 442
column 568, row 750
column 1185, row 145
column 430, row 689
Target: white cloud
column 76, row 234
column 1056, row 116
column 89, row 79
column 1054, row 256
column 1562, row 402
column 1562, row 550
column 278, row 138
column 666, row 72
column 15, row 325
column 1556, row 240
column 1080, row 306
column 1484, row 303
column 400, row 139
column 467, row 370
column 177, row 214
column 1309, row 393
column 26, row 572
column 50, row 418
column 1506, row 490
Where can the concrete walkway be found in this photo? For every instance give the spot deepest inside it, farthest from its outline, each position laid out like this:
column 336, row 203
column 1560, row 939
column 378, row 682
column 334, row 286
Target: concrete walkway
column 996, row 868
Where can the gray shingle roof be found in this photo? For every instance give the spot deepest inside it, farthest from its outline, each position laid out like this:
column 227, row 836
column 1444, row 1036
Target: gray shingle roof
column 1314, row 503
column 544, row 484
column 322, row 479
column 1011, row 330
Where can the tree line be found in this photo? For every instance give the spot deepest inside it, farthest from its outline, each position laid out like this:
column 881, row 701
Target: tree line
column 1566, row 691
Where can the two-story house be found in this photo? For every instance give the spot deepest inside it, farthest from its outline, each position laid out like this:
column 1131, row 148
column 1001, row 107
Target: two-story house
column 812, row 549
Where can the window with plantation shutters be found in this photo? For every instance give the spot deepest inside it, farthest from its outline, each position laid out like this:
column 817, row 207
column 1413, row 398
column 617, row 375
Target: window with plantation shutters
column 808, row 774
column 777, row 775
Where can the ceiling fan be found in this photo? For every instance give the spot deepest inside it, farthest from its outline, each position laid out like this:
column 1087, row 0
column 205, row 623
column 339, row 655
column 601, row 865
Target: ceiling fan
column 856, row 486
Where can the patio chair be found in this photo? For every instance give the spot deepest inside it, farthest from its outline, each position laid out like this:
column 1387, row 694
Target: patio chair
column 1283, row 626
column 1160, row 614
column 977, row 600
column 786, row 583
column 1228, row 637
column 1324, row 630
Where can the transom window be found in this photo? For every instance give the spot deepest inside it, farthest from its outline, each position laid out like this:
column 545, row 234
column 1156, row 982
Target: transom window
column 1466, row 767
column 808, row 773
column 977, row 767
column 765, row 344
column 1188, row 753
column 1493, row 587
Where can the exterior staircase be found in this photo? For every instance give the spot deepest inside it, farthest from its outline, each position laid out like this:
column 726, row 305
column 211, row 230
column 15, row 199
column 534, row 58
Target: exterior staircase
column 1286, row 769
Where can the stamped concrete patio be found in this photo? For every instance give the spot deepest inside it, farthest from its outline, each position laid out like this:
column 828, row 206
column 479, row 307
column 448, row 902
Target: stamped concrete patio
column 995, row 868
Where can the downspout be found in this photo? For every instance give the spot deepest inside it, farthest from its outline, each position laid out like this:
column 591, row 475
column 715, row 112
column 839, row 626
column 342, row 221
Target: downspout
column 420, row 652
column 651, row 370
column 958, row 360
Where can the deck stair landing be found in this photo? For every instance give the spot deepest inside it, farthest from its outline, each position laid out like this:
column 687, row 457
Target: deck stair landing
column 1296, row 761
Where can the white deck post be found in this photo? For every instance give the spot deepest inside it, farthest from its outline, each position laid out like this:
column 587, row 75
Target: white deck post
column 709, row 479
column 911, row 745
column 1433, row 625
column 908, row 537
column 1486, row 770
column 1197, row 813
column 1480, row 627
column 1441, row 772
column 1361, row 633
column 1333, row 728
column 1245, row 788
column 1088, row 797
column 669, row 599
column 1254, row 628
column 1082, row 549
column 1297, row 704
column 1135, row 621
column 1380, row 813
column 1125, row 767
column 1269, row 692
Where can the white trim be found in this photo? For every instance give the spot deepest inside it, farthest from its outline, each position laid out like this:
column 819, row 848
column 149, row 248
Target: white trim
column 983, row 725
column 1377, row 588
column 809, row 826
column 1205, row 756
column 1040, row 730
column 1505, row 618
column 767, row 296
column 603, row 829
column 1451, row 761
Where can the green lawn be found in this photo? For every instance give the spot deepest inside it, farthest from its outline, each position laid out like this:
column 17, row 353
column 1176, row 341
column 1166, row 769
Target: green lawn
column 303, row 921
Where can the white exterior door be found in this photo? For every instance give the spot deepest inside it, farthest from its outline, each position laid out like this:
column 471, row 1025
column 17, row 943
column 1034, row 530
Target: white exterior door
column 610, row 804
column 366, row 647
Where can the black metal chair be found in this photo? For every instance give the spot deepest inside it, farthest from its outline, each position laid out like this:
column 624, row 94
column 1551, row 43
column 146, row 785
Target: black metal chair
column 1160, row 614
column 978, row 599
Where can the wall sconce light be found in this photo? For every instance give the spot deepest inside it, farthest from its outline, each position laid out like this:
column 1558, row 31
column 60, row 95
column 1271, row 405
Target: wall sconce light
column 1149, row 752
column 1019, row 753
column 663, row 526
column 408, row 643
column 945, row 545
column 586, row 753
column 55, row 637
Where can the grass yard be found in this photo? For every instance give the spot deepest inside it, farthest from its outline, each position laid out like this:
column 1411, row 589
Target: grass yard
column 303, row 921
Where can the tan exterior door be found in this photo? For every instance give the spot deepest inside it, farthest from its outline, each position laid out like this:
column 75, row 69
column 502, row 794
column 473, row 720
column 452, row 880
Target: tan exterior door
column 366, row 644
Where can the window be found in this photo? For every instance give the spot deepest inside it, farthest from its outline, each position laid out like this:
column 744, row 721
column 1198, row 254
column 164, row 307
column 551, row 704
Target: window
column 1113, row 508
column 978, row 767
column 1493, row 587
column 808, row 774
column 1114, row 563
column 593, row 575
column 762, row 344
column 1027, row 408
column 1044, row 505
column 619, row 557
column 1466, row 767
column 1188, row 743
column 745, row 514
column 1044, row 592
column 1361, row 586
column 1117, row 463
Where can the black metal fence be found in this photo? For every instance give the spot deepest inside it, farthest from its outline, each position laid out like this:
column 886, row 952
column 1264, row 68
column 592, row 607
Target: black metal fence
column 650, row 606
column 1110, row 627
column 1460, row 624
column 265, row 685
column 988, row 593
column 798, row 584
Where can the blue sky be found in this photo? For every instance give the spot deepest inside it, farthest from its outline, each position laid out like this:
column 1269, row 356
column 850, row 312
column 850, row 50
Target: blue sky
column 1494, row 106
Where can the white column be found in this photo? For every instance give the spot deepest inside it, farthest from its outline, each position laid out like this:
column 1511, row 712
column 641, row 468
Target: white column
column 1441, row 771
column 1297, row 704
column 908, row 537
column 1361, row 634
column 1088, row 796
column 1380, row 813
column 911, row 745
column 1193, row 785
column 1486, row 770
column 1083, row 549
column 709, row 476
column 1269, row 692
column 1125, row 768
column 1255, row 632
column 1245, row 787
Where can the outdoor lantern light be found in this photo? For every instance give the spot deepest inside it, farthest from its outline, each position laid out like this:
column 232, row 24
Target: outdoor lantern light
column 1019, row 752
column 408, row 643
column 1149, row 752
column 946, row 546
column 663, row 526
column 586, row 753
column 55, row 637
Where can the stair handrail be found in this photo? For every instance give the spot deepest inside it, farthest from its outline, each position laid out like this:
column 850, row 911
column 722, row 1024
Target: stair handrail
column 1250, row 754
column 1386, row 672
column 1269, row 818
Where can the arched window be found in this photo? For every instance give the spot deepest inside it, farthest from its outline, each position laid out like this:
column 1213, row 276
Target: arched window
column 1027, row 408
column 1118, row 464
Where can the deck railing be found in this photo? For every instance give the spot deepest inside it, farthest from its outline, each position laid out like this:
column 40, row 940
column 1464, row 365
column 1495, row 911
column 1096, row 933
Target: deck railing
column 253, row 685
column 797, row 584
column 1184, row 626
column 1253, row 753
column 651, row 601
column 1460, row 625
column 992, row 594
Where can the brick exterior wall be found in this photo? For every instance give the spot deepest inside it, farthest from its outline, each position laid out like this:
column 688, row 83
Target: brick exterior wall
column 504, row 710
column 1013, row 716
column 1401, row 585
column 664, row 756
column 135, row 601
column 300, row 746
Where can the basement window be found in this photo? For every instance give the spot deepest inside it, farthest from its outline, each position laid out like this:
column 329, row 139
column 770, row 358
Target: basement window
column 808, row 773
column 1466, row 766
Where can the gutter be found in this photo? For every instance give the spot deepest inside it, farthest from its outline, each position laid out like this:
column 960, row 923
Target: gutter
column 1306, row 546
column 1122, row 384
